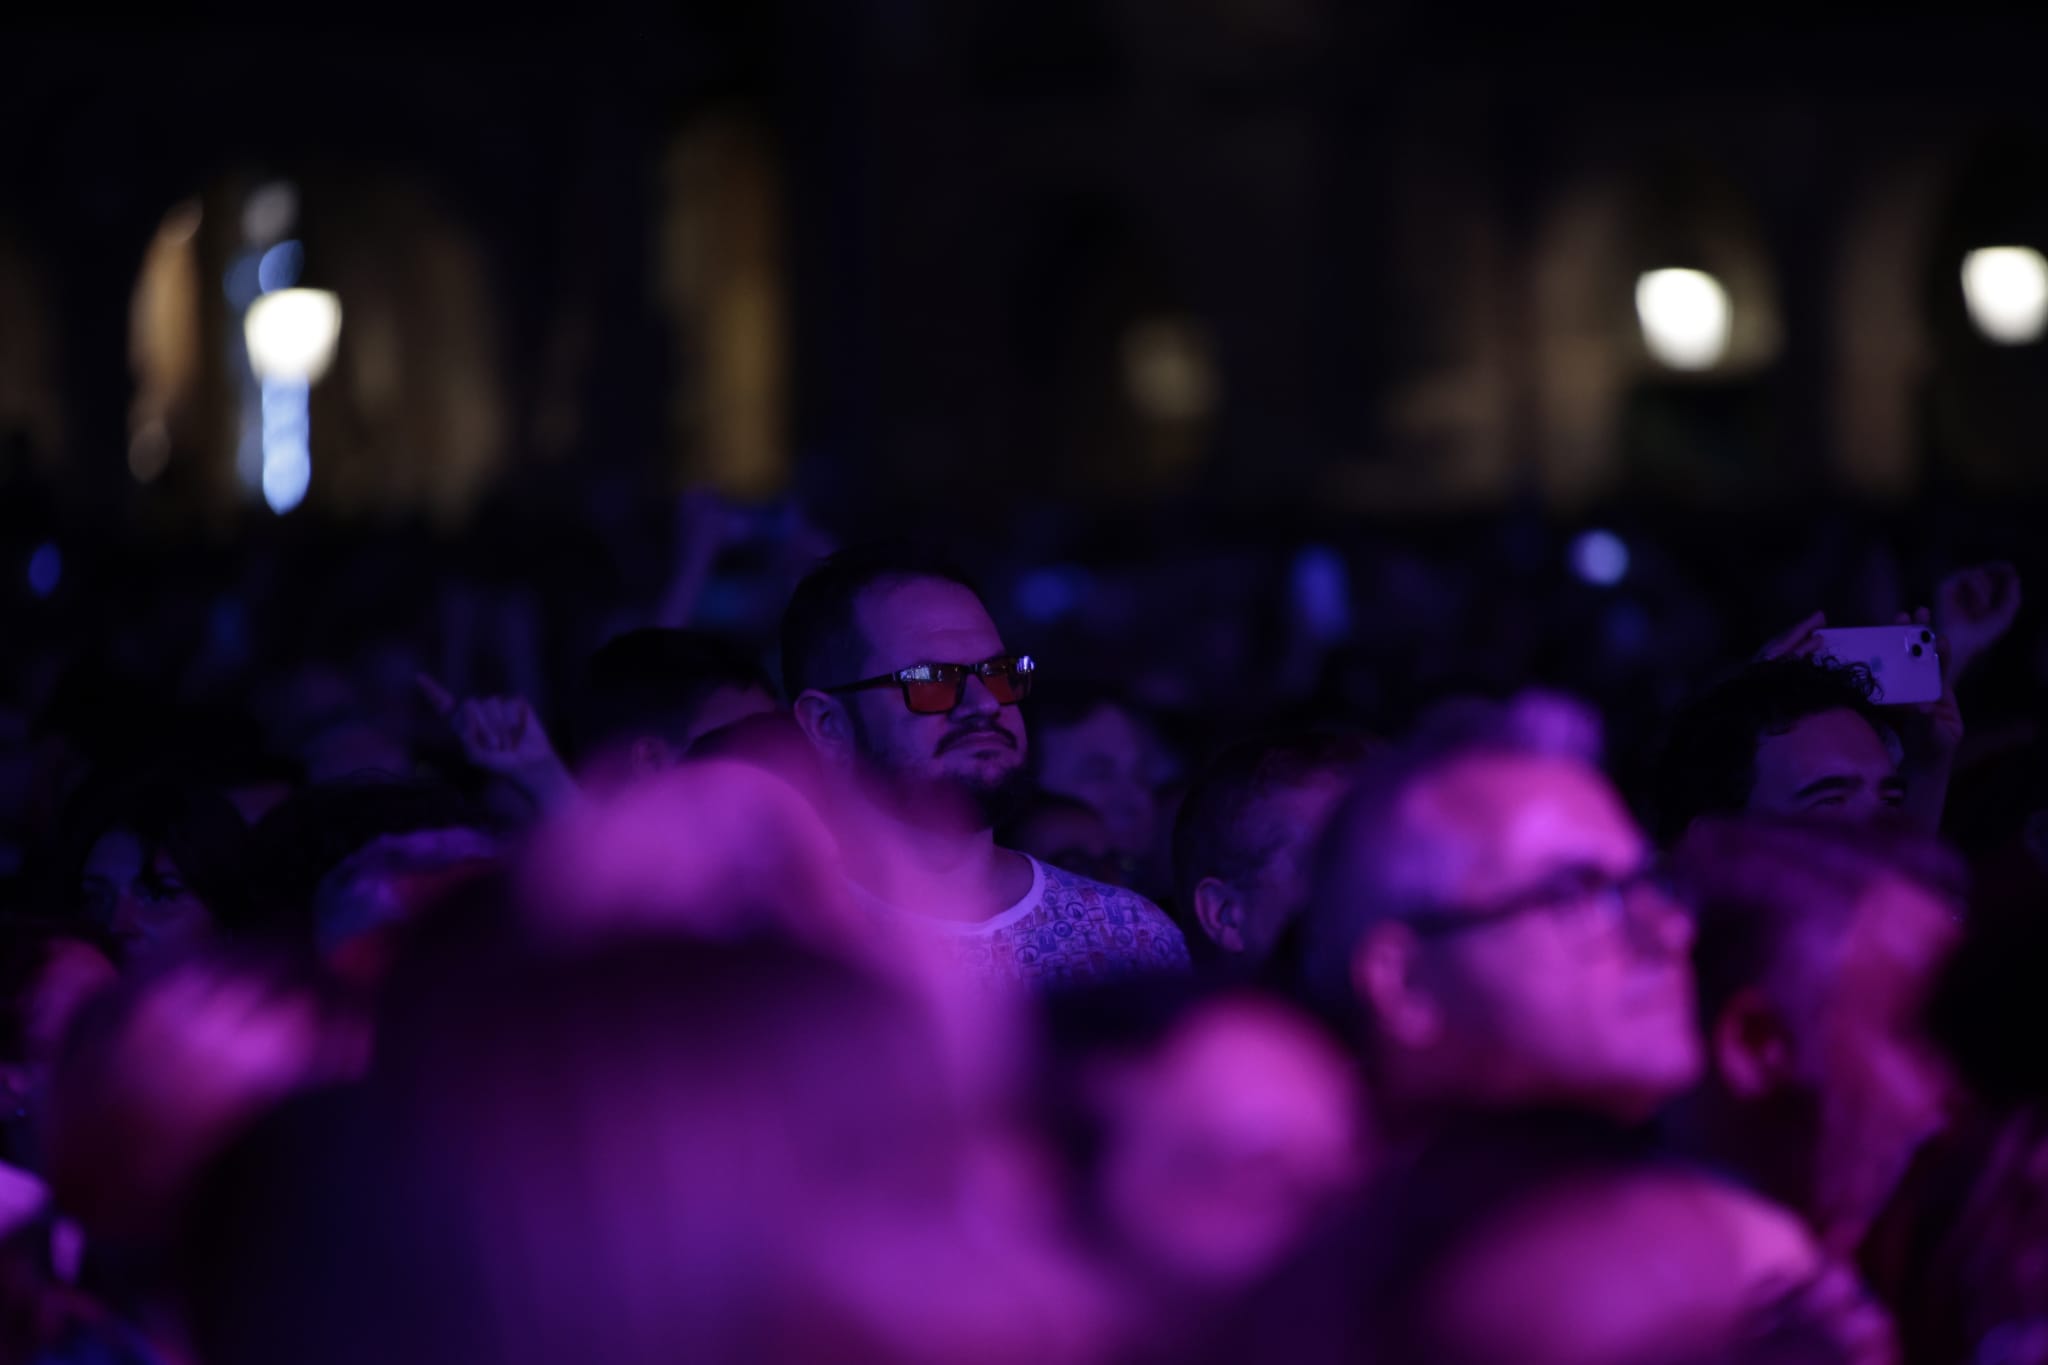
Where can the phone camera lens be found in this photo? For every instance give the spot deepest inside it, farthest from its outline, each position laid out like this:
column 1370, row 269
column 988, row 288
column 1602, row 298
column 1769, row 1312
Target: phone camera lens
column 1926, row 636
column 1917, row 651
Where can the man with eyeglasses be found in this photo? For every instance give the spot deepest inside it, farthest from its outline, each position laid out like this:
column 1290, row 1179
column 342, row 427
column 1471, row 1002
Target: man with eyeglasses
column 1486, row 916
column 906, row 692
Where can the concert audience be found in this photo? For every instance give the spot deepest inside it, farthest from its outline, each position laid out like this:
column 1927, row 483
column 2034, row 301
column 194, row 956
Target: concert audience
column 345, row 1017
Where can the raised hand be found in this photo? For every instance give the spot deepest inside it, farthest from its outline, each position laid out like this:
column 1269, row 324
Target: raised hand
column 502, row 735
column 1930, row 733
column 1973, row 609
column 1800, row 642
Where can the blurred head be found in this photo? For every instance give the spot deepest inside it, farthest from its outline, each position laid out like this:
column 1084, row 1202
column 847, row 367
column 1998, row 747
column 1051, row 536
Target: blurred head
column 1818, row 951
column 164, row 867
column 1096, row 750
column 1638, row 1268
column 866, row 615
column 662, row 1149
column 757, row 860
column 157, row 1077
column 1782, row 737
column 1244, row 845
column 1483, row 910
column 1546, row 1238
column 1214, row 1141
column 649, row 695
column 49, row 971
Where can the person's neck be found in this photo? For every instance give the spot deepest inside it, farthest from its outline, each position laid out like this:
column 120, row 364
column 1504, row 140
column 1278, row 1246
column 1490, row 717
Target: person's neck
column 956, row 874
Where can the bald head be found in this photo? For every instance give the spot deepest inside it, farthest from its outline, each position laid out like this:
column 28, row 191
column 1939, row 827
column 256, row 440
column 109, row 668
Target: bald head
column 1651, row 1265
column 1464, row 830
column 1484, row 917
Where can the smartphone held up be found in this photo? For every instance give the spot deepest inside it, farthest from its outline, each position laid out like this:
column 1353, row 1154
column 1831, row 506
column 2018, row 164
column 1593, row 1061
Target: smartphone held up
column 1903, row 661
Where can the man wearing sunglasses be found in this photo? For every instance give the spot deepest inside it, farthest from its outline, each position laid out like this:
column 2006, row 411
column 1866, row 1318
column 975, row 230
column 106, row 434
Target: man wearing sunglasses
column 1486, row 914
column 905, row 690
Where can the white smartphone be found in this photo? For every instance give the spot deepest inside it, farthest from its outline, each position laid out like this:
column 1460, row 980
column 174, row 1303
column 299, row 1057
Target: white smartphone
column 1901, row 660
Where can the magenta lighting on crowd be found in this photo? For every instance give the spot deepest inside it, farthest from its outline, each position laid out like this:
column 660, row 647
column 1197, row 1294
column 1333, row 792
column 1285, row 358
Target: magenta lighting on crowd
column 1600, row 558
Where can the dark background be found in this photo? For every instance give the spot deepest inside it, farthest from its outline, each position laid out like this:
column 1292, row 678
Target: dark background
column 1126, row 301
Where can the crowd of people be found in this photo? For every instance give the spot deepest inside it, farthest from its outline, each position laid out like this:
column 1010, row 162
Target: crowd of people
column 888, row 990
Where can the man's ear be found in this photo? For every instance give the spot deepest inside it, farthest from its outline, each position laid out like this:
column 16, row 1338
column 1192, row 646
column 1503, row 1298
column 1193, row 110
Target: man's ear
column 1386, row 976
column 1751, row 1048
column 1220, row 911
column 825, row 724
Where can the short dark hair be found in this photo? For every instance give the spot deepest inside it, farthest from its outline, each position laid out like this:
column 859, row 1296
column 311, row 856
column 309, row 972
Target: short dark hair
column 654, row 682
column 1708, row 765
column 1210, row 837
column 822, row 645
column 1368, row 868
column 1768, row 893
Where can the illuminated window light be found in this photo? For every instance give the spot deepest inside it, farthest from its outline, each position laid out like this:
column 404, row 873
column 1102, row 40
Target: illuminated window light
column 279, row 267
column 1170, row 370
column 149, row 451
column 270, row 212
column 1686, row 318
column 287, row 444
column 292, row 334
column 2005, row 289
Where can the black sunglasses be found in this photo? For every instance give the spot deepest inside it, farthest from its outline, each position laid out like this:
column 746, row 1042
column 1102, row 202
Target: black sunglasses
column 935, row 689
column 1572, row 892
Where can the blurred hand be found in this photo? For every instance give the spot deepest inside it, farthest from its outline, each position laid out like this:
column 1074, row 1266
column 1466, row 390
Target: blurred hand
column 502, row 735
column 1930, row 734
column 1800, row 642
column 1973, row 609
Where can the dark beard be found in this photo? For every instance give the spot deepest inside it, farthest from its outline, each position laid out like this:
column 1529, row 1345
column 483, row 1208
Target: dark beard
column 983, row 803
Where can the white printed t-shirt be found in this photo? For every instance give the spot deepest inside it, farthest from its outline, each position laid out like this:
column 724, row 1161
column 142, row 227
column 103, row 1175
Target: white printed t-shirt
column 1067, row 930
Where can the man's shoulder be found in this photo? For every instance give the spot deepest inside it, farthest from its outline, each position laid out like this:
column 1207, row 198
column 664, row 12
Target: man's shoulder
column 1071, row 890
column 1059, row 881
column 1079, row 928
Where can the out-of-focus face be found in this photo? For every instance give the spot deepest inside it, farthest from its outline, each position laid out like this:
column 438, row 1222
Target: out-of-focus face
column 965, row 764
column 1829, row 766
column 1104, row 761
column 1581, row 1000
column 73, row 973
column 1657, row 1266
column 146, row 906
column 1226, row 1143
column 1883, row 1089
column 1288, row 825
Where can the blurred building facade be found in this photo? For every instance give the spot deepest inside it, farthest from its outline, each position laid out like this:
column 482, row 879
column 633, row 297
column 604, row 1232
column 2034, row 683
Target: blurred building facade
column 1294, row 258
